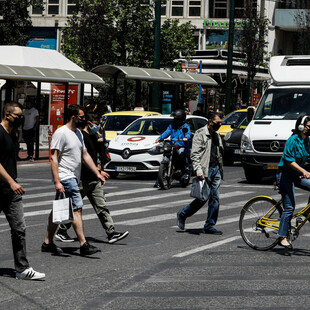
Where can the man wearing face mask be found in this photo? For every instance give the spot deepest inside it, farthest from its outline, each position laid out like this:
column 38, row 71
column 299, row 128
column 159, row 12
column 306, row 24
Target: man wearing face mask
column 175, row 131
column 68, row 153
column 11, row 192
column 90, row 186
column 206, row 156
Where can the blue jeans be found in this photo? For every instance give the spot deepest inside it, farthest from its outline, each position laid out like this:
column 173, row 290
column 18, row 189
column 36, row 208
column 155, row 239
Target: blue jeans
column 12, row 207
column 72, row 191
column 287, row 180
column 214, row 177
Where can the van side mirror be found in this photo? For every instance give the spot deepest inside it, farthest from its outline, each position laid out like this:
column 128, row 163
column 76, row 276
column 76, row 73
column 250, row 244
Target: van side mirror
column 234, row 125
column 250, row 113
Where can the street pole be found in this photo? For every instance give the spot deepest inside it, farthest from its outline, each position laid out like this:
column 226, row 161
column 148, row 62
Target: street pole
column 228, row 104
column 155, row 98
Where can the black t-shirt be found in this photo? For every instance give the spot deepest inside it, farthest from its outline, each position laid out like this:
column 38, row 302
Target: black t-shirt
column 7, row 158
column 215, row 143
column 93, row 148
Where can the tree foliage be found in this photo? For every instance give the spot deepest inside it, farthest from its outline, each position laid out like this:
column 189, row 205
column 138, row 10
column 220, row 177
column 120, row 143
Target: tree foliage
column 302, row 18
column 16, row 23
column 176, row 38
column 121, row 32
column 253, row 42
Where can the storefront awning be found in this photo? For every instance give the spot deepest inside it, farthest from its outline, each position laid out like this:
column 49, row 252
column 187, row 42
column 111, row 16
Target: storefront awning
column 38, row 74
column 152, row 75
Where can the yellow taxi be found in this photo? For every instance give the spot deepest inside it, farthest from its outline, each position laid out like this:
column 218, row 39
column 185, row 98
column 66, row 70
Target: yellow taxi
column 117, row 121
column 234, row 118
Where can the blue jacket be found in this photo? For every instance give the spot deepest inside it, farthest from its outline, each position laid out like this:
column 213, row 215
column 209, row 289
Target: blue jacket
column 177, row 134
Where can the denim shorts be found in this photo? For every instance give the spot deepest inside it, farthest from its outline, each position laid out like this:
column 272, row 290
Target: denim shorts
column 72, row 191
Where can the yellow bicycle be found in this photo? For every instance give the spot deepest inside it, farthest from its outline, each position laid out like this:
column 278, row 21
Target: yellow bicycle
column 260, row 219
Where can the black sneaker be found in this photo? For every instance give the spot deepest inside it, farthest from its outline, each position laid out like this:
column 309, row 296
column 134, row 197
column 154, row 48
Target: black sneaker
column 116, row 236
column 51, row 248
column 63, row 237
column 88, row 249
column 180, row 221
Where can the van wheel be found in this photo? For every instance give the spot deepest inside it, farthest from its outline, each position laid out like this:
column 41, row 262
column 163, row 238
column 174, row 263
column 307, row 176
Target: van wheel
column 227, row 161
column 252, row 175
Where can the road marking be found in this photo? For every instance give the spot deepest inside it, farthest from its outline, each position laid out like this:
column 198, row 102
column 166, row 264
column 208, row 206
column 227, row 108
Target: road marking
column 206, row 247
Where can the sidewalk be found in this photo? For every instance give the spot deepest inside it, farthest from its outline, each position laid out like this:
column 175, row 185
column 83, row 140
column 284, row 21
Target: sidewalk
column 43, row 155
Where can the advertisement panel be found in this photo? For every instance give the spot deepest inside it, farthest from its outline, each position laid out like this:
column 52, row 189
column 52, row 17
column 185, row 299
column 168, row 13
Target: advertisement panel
column 57, row 102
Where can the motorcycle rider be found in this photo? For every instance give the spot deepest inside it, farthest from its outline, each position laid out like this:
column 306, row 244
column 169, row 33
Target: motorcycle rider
column 175, row 130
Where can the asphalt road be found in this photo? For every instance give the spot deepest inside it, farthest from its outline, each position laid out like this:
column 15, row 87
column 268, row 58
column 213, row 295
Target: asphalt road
column 157, row 266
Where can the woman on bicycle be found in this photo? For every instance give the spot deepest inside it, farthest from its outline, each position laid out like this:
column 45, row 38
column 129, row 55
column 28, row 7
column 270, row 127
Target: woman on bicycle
column 291, row 173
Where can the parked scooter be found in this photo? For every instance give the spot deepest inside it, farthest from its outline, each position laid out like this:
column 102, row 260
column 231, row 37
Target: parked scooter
column 172, row 165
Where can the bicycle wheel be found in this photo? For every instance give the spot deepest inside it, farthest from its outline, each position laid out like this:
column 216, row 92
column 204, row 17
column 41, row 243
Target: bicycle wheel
column 260, row 235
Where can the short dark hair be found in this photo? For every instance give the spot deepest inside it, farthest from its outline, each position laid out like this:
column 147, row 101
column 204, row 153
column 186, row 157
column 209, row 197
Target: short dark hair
column 213, row 115
column 73, row 110
column 9, row 107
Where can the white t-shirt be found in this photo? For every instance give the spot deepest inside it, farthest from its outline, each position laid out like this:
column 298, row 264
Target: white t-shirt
column 71, row 145
column 30, row 118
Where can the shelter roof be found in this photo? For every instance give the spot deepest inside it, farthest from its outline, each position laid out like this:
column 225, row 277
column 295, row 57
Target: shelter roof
column 41, row 65
column 152, row 75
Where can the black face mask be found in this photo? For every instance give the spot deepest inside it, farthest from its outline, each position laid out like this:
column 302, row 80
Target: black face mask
column 307, row 133
column 16, row 122
column 216, row 126
column 176, row 123
column 81, row 123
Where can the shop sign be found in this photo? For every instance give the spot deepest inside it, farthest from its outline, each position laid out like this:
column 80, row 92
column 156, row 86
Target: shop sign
column 216, row 24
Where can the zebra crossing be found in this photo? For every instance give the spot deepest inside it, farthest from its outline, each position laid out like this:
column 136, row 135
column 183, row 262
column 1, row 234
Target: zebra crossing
column 138, row 201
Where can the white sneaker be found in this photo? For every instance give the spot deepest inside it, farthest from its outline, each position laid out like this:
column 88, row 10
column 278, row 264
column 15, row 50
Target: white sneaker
column 30, row 274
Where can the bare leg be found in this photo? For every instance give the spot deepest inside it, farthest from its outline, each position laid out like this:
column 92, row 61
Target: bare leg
column 51, row 229
column 78, row 226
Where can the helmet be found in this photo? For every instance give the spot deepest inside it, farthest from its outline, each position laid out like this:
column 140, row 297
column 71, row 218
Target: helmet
column 179, row 115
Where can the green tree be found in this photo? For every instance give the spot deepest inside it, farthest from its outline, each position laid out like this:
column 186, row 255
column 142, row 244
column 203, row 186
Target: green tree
column 253, row 43
column 302, row 18
column 89, row 36
column 16, row 23
column 176, row 38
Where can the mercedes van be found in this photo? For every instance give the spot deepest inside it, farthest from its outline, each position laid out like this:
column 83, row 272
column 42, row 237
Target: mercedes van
column 287, row 97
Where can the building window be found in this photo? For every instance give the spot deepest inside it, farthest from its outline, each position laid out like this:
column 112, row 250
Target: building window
column 53, row 7
column 220, row 9
column 177, row 8
column 163, row 10
column 242, row 5
column 71, row 7
column 36, row 10
column 194, row 8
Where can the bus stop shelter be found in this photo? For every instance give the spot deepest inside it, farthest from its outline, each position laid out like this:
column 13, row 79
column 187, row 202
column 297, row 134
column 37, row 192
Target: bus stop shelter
column 151, row 75
column 41, row 65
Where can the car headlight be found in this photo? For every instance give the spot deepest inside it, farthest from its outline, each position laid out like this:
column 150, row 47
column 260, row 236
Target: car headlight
column 227, row 136
column 245, row 144
column 156, row 149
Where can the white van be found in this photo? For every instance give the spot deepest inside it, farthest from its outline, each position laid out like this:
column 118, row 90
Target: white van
column 283, row 102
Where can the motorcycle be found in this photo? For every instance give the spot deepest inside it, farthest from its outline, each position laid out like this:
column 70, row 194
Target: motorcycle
column 172, row 165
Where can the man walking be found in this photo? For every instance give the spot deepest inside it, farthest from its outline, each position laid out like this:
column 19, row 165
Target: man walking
column 206, row 156
column 31, row 122
column 68, row 152
column 11, row 192
column 91, row 187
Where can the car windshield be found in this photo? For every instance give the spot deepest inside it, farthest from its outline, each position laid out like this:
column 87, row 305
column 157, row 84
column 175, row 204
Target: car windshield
column 243, row 124
column 233, row 118
column 118, row 122
column 284, row 104
column 148, row 127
